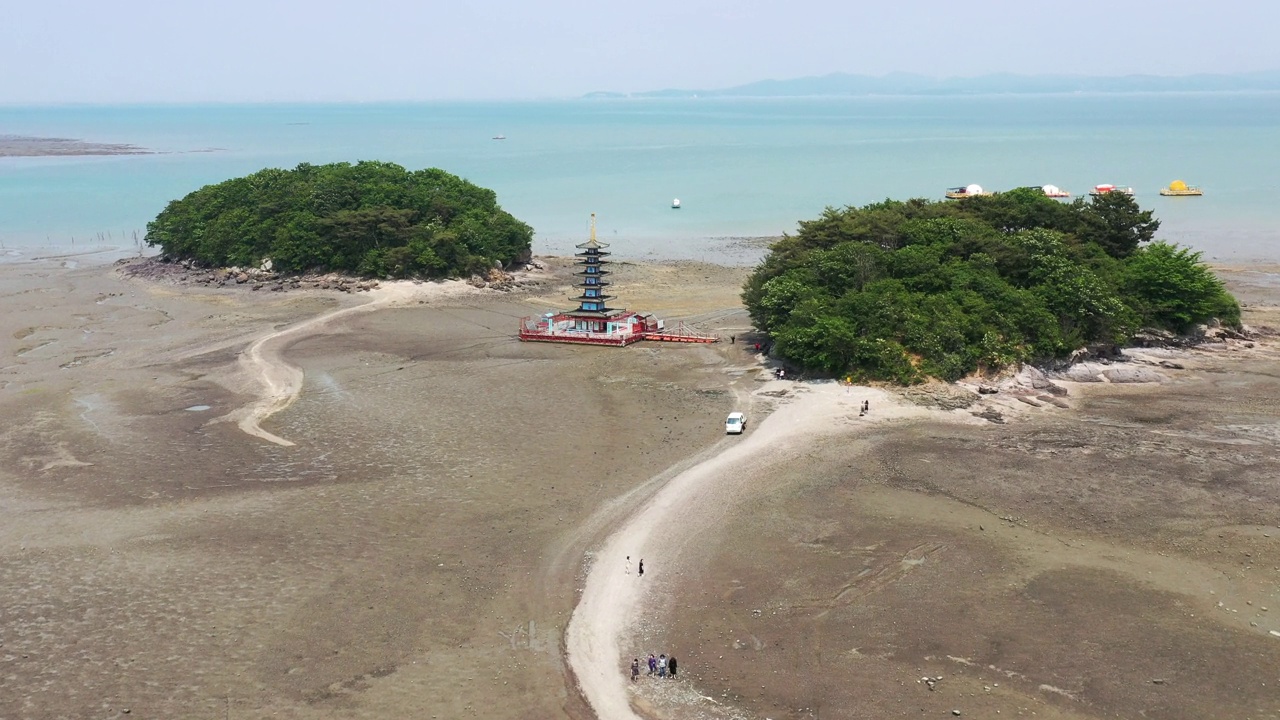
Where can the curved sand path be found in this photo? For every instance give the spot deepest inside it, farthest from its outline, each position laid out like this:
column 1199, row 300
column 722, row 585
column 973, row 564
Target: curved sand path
column 281, row 382
column 611, row 596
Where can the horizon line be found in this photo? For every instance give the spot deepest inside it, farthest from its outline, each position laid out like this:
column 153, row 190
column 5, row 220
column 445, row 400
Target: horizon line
column 651, row 93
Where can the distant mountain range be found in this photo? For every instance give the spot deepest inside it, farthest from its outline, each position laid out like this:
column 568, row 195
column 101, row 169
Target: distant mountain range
column 837, row 84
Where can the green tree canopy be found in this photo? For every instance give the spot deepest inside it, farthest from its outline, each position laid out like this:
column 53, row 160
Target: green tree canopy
column 902, row 291
column 370, row 218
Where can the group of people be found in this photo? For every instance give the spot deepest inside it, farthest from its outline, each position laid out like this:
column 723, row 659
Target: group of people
column 661, row 666
column 758, row 347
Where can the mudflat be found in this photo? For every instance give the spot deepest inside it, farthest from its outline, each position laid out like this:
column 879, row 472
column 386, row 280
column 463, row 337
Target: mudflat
column 451, row 499
column 414, row 552
column 24, row 146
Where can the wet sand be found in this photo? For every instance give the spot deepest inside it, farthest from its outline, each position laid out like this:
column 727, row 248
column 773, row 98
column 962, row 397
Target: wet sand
column 420, row 548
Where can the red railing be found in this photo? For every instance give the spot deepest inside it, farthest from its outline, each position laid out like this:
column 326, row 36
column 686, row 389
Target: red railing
column 540, row 329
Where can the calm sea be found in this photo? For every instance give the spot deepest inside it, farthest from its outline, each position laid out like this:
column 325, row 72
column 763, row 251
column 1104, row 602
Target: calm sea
column 740, row 167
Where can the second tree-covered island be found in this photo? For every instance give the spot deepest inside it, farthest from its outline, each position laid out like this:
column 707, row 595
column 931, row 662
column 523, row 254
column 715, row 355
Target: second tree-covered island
column 906, row 290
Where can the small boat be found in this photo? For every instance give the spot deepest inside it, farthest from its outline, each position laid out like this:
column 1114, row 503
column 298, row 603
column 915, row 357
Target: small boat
column 675, row 204
column 1054, row 191
column 499, row 137
column 1177, row 188
column 967, row 191
column 1107, row 189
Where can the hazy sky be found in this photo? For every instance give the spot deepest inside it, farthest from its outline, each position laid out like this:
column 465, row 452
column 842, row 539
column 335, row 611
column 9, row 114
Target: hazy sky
column 264, row 50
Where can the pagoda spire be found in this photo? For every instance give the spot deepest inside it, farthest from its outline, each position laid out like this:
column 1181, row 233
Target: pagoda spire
column 593, row 242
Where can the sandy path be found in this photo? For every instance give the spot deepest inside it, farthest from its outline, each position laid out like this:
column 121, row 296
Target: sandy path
column 280, row 382
column 611, row 596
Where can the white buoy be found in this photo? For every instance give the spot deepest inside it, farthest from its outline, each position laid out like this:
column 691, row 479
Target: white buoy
column 675, row 204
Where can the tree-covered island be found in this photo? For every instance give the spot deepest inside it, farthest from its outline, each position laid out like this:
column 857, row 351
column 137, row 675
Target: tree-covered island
column 904, row 291
column 374, row 219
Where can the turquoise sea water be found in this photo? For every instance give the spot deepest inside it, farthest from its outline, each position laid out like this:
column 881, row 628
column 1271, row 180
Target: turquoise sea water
column 741, row 167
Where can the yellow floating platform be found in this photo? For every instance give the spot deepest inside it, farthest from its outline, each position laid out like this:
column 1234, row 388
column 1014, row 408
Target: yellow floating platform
column 1177, row 188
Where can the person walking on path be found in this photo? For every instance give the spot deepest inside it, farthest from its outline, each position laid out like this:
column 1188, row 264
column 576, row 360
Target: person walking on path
column 642, row 566
column 671, row 665
column 653, row 664
column 635, row 669
column 628, row 568
column 662, row 666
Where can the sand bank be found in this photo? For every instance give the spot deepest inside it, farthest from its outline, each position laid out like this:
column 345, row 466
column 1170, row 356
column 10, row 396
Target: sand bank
column 264, row 362
column 23, row 146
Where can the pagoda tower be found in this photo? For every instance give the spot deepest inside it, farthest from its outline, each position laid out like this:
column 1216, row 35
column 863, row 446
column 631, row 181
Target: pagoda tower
column 593, row 313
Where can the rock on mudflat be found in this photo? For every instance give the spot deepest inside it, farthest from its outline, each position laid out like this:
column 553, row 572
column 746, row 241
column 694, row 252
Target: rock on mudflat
column 1036, row 379
column 1033, row 377
column 1082, row 373
column 1056, row 402
column 1132, row 375
column 990, row 415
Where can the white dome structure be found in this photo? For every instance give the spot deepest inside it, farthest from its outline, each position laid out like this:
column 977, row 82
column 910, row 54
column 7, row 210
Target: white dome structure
column 973, row 190
column 1051, row 189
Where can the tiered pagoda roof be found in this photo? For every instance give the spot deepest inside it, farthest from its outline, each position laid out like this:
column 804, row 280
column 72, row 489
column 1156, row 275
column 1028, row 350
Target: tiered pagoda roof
column 593, row 279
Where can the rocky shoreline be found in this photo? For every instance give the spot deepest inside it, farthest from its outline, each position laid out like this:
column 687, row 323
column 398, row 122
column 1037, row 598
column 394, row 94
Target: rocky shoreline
column 1155, row 359
column 165, row 269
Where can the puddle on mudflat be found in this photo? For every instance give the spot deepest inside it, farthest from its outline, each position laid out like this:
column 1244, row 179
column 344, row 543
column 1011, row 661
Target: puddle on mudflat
column 198, row 408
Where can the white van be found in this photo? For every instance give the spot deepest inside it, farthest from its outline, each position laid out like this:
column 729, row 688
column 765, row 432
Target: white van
column 735, row 423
